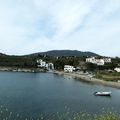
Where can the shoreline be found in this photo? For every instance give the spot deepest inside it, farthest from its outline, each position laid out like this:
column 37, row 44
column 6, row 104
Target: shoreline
column 81, row 77
column 88, row 79
column 16, row 69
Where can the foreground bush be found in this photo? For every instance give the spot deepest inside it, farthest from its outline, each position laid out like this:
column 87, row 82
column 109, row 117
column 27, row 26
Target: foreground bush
column 6, row 115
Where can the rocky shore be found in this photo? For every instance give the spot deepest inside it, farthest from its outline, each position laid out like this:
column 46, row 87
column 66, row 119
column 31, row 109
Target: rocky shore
column 89, row 79
column 15, row 69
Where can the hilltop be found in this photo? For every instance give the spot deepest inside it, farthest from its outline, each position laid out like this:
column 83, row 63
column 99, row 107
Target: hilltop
column 66, row 53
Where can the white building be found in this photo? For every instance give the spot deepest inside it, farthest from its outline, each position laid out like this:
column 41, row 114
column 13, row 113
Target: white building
column 101, row 61
column 69, row 68
column 41, row 63
column 117, row 69
column 91, row 60
column 95, row 61
column 107, row 60
column 51, row 66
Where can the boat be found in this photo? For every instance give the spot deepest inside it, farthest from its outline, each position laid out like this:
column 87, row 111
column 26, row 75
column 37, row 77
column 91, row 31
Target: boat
column 102, row 93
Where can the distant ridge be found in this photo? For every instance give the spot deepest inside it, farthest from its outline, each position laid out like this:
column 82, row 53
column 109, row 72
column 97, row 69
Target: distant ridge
column 66, row 53
column 1, row 54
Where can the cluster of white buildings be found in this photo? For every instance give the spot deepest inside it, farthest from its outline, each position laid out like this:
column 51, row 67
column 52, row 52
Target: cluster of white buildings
column 97, row 61
column 69, row 68
column 43, row 64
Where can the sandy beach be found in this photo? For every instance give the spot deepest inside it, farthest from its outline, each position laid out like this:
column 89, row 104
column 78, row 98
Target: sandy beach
column 87, row 78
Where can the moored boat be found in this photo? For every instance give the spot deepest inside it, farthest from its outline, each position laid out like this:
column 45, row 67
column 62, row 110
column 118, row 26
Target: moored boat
column 102, row 93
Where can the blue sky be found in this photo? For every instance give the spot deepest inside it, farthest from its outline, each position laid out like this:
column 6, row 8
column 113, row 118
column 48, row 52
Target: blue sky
column 28, row 26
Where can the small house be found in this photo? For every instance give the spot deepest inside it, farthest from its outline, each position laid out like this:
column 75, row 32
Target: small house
column 69, row 68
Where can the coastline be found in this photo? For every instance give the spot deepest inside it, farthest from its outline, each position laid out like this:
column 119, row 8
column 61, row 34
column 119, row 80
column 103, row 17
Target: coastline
column 89, row 79
column 16, row 69
column 82, row 77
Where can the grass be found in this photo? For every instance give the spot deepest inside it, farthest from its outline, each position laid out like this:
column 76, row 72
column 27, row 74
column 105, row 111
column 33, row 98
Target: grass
column 108, row 76
column 6, row 115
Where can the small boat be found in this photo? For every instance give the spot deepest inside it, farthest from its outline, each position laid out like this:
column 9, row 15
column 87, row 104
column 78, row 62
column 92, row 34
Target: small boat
column 102, row 93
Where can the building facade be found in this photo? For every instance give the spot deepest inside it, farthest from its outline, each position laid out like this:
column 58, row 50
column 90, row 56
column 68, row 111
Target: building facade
column 43, row 64
column 97, row 61
column 68, row 68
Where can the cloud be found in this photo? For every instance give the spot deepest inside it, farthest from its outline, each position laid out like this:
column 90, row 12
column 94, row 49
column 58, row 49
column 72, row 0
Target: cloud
column 41, row 25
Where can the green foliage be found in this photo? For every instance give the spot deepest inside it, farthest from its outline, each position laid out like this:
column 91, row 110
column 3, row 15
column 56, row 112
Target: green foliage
column 61, row 61
column 5, row 114
column 108, row 76
column 29, row 61
column 91, row 66
column 17, row 61
column 107, row 66
column 116, row 60
column 98, row 76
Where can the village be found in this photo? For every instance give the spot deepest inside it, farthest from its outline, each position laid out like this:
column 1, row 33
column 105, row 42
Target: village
column 99, row 67
column 70, row 68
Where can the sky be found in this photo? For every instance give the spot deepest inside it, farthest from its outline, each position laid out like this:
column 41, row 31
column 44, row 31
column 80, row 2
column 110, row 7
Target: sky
column 29, row 26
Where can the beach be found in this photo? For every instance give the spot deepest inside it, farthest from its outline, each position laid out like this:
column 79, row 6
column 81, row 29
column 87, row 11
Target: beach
column 89, row 79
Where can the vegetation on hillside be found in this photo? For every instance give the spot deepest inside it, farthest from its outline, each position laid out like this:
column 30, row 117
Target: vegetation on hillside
column 66, row 53
column 29, row 61
column 17, row 61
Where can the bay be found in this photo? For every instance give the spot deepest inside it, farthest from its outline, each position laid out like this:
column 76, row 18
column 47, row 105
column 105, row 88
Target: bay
column 33, row 94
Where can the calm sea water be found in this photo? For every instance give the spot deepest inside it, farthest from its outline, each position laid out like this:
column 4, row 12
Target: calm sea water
column 32, row 94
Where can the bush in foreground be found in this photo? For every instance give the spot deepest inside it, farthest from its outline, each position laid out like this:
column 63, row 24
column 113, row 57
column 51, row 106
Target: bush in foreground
column 6, row 115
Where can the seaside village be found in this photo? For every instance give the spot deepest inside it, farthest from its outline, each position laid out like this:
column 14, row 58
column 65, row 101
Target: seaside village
column 103, row 70
column 69, row 68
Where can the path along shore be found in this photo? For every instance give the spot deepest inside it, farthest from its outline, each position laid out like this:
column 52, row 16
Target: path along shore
column 87, row 78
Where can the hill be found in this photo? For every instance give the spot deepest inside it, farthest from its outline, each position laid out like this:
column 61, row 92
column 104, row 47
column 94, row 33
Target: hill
column 66, row 53
column 1, row 54
column 29, row 61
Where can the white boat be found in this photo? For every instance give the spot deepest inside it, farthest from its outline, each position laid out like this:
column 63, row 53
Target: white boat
column 102, row 93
